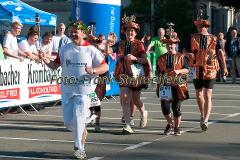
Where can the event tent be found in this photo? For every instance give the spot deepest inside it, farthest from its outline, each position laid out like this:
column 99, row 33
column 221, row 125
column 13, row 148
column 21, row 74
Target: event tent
column 16, row 10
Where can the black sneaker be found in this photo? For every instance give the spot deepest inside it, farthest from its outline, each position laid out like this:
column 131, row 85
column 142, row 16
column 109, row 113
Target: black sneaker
column 177, row 131
column 168, row 129
column 204, row 126
column 123, row 120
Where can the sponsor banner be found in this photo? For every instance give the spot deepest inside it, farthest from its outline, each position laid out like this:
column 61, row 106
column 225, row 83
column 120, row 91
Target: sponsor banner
column 27, row 82
column 105, row 13
column 112, row 87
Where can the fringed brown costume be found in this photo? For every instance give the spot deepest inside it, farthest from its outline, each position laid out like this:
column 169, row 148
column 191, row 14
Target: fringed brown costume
column 164, row 69
column 123, row 66
column 205, row 59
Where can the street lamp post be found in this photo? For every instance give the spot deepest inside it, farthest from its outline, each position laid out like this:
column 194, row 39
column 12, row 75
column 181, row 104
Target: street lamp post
column 37, row 23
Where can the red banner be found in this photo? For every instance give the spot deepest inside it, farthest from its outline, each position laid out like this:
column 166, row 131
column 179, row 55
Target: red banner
column 13, row 93
column 43, row 90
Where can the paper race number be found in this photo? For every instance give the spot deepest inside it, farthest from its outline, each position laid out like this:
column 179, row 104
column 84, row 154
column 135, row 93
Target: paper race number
column 192, row 73
column 137, row 70
column 165, row 93
column 94, row 100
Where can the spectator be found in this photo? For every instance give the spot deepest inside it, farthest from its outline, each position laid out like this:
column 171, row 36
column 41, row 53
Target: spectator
column 221, row 44
column 46, row 46
column 56, row 39
column 100, row 44
column 1, row 52
column 28, row 46
column 232, row 49
column 10, row 46
column 65, row 39
column 112, row 45
column 160, row 48
column 146, row 40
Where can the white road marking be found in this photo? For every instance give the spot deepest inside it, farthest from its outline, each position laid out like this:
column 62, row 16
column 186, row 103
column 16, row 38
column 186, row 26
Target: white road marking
column 214, row 90
column 61, row 141
column 161, row 138
column 193, row 105
column 137, row 145
column 32, row 158
column 96, row 158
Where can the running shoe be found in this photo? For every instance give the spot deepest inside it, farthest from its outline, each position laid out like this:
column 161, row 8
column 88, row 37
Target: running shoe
column 127, row 130
column 168, row 129
column 177, row 131
column 97, row 128
column 132, row 121
column 123, row 120
column 204, row 126
column 79, row 154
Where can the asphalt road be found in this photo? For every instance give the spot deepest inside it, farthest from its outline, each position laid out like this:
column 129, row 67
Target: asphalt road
column 43, row 136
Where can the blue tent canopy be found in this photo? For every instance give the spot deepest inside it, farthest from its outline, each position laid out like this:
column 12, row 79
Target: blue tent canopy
column 16, row 10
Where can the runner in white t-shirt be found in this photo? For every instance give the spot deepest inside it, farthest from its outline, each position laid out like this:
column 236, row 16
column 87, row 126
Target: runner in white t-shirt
column 10, row 46
column 81, row 62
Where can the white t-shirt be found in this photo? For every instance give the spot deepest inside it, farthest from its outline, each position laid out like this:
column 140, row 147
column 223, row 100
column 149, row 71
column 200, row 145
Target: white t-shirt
column 73, row 61
column 56, row 39
column 10, row 42
column 26, row 47
column 46, row 48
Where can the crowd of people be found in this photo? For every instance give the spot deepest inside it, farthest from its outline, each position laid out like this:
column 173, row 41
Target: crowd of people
column 80, row 54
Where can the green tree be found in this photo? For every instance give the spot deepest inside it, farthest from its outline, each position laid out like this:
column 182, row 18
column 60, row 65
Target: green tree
column 180, row 12
column 231, row 3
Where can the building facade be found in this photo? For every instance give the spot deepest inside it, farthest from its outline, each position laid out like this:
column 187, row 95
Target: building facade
column 221, row 17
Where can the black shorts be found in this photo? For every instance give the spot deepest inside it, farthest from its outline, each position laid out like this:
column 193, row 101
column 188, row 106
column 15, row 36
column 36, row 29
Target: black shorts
column 201, row 83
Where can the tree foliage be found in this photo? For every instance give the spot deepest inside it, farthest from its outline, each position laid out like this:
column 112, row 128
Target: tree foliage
column 180, row 12
column 231, row 3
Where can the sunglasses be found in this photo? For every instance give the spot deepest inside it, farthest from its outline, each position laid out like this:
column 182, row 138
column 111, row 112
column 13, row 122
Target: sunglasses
column 18, row 27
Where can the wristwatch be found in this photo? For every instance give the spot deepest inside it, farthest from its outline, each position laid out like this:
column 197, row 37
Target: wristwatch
column 94, row 71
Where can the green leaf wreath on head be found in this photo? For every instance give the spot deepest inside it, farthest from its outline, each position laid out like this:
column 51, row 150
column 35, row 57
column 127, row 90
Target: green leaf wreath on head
column 79, row 25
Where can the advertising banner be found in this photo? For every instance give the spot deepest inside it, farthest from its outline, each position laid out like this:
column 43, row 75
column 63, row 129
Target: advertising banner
column 105, row 13
column 27, row 83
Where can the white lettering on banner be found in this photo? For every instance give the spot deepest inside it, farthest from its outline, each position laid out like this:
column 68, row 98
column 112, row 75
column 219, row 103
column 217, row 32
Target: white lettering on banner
column 36, row 91
column 10, row 94
column 112, row 19
column 10, row 3
column 42, row 75
column 10, row 77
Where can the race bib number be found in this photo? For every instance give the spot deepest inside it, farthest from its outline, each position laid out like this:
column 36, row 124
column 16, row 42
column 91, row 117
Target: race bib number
column 165, row 93
column 137, row 70
column 94, row 100
column 192, row 73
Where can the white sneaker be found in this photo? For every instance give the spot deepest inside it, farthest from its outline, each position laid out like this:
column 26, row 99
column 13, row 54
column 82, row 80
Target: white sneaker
column 143, row 121
column 127, row 130
column 132, row 122
column 92, row 119
column 79, row 154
